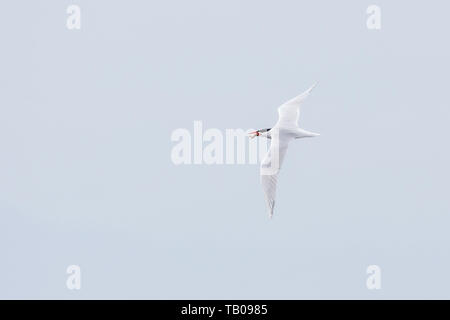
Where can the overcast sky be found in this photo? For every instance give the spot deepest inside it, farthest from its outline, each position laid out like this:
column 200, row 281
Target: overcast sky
column 86, row 176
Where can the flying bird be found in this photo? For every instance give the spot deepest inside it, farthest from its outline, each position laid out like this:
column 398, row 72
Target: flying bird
column 284, row 131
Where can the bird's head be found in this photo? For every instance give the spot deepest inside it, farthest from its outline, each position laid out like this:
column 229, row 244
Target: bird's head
column 257, row 133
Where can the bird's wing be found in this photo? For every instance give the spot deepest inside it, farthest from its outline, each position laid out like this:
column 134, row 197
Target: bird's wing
column 289, row 112
column 270, row 167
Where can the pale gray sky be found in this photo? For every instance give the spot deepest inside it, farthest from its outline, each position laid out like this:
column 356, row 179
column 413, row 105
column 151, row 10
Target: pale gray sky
column 86, row 176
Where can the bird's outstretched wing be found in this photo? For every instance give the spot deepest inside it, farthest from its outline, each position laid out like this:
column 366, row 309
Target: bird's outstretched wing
column 289, row 112
column 270, row 167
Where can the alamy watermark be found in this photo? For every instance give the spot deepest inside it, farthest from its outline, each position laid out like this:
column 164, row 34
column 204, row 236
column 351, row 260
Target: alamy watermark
column 73, row 281
column 374, row 19
column 73, row 21
column 373, row 282
column 229, row 146
column 215, row 146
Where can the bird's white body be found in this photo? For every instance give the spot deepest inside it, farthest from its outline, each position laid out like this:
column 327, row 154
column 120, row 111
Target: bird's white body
column 284, row 131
